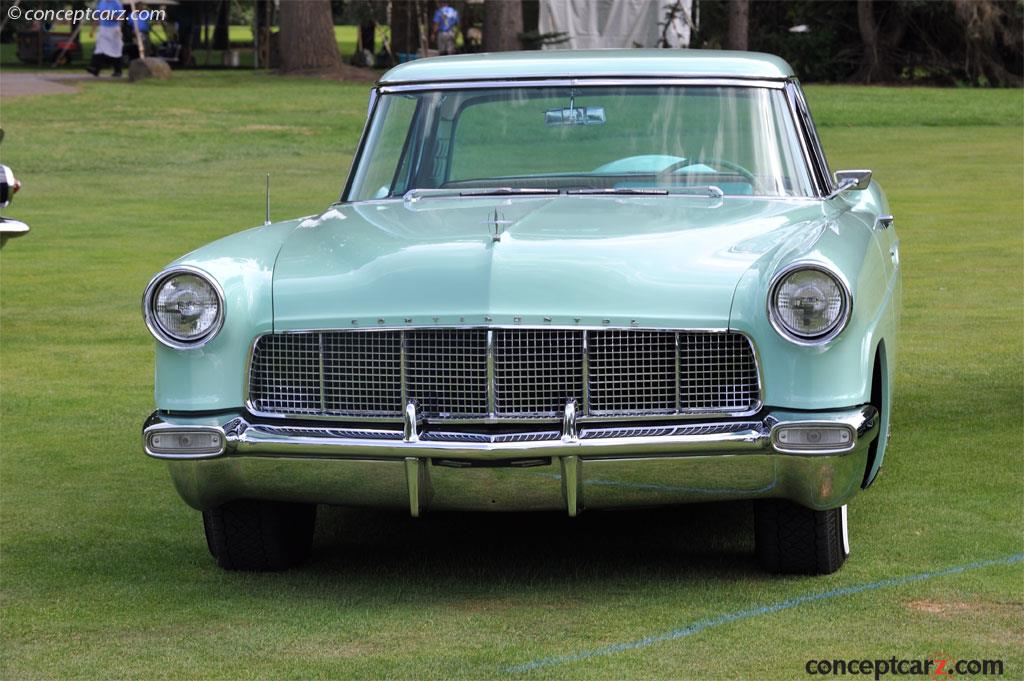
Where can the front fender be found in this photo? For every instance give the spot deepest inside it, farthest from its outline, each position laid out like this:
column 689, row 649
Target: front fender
column 212, row 377
column 838, row 373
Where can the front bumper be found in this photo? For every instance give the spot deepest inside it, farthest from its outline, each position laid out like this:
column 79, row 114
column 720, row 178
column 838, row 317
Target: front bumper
column 568, row 468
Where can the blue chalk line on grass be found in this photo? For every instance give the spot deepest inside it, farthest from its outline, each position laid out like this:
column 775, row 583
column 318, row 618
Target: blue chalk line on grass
column 708, row 623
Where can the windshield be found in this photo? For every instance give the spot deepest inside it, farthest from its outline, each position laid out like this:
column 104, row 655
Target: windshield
column 622, row 139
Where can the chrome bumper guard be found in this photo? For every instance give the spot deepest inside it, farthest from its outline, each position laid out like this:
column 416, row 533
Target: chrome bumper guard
column 567, row 468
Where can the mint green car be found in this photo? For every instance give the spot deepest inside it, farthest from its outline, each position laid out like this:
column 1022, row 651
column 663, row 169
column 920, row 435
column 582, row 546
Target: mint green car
column 553, row 281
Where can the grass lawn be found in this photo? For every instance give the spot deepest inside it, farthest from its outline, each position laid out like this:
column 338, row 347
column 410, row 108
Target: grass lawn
column 104, row 573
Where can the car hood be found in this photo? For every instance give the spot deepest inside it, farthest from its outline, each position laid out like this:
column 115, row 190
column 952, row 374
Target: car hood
column 566, row 260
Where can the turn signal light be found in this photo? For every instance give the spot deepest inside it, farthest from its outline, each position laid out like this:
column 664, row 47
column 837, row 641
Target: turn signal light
column 812, row 438
column 185, row 443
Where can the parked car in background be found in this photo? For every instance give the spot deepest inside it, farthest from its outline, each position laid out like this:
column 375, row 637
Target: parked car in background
column 9, row 186
column 562, row 281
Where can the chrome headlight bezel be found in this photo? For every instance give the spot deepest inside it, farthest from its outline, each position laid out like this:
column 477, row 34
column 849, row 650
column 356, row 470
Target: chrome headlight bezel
column 833, row 330
column 166, row 337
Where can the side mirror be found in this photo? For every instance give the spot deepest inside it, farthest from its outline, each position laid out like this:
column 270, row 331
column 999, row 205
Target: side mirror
column 854, row 179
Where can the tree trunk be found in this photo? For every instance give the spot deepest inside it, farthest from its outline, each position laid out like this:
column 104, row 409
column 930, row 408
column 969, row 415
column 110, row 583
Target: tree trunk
column 307, row 36
column 503, row 22
column 872, row 63
column 404, row 34
column 739, row 22
column 220, row 31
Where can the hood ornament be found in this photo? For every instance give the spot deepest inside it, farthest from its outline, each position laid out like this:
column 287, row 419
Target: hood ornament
column 496, row 223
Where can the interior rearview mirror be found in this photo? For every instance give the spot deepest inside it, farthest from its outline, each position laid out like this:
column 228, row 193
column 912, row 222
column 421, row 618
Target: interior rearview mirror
column 580, row 115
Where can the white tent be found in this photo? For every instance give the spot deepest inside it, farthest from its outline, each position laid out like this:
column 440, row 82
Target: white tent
column 617, row 23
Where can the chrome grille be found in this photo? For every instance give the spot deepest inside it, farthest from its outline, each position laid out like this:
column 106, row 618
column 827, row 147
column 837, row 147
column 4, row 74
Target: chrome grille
column 633, row 371
column 719, row 374
column 285, row 374
column 446, row 371
column 503, row 373
column 362, row 373
column 537, row 371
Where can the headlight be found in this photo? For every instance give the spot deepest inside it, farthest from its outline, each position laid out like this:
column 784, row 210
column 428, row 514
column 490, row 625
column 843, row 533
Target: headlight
column 808, row 304
column 183, row 307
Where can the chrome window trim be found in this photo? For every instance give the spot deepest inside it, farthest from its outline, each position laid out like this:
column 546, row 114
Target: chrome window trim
column 541, row 197
column 814, row 154
column 829, row 335
column 491, row 418
column 580, row 81
column 154, row 327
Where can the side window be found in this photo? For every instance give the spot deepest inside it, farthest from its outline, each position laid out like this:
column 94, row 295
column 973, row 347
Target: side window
column 812, row 132
column 386, row 142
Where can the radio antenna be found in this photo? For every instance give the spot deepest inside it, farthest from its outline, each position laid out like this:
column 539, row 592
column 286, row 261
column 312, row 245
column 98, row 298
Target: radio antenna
column 267, row 220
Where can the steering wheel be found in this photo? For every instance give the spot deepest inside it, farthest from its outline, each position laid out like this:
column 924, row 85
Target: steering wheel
column 712, row 162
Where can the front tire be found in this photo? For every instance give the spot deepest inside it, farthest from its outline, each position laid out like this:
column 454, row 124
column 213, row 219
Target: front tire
column 794, row 539
column 260, row 536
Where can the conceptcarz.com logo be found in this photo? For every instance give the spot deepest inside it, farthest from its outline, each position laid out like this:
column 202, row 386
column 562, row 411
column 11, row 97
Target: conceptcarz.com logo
column 940, row 666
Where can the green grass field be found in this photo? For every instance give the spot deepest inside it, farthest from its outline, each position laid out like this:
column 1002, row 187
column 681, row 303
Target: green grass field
column 104, row 573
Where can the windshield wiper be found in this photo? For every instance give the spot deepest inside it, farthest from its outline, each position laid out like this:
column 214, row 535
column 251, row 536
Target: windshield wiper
column 710, row 190
column 619, row 190
column 502, row 191
column 416, row 194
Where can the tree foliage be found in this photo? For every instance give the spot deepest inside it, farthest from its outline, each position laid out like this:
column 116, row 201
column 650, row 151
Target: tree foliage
column 952, row 42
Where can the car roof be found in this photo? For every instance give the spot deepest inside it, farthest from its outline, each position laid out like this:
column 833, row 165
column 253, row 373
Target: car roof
column 590, row 64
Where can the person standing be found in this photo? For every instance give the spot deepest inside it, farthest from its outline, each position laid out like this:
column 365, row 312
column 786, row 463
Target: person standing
column 109, row 44
column 446, row 20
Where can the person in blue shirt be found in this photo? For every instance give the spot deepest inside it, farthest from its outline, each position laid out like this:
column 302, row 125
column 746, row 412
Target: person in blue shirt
column 446, row 20
column 109, row 44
